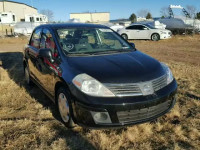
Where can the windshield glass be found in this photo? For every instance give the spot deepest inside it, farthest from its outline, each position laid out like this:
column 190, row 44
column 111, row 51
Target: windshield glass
column 91, row 40
column 150, row 26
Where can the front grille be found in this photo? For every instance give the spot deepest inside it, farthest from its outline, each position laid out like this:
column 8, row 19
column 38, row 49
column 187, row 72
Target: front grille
column 133, row 89
column 143, row 113
column 125, row 89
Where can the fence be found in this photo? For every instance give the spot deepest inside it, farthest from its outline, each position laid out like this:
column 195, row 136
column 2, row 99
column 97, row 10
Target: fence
column 6, row 30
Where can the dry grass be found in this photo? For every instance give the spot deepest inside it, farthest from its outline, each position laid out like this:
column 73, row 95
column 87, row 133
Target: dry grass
column 28, row 119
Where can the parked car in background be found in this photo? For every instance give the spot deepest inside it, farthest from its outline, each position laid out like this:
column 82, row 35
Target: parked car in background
column 95, row 77
column 144, row 31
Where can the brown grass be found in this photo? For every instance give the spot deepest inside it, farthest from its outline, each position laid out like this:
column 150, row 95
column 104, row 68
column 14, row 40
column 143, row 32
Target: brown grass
column 28, row 119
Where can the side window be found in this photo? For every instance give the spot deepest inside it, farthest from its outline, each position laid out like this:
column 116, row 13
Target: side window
column 134, row 27
column 47, row 41
column 35, row 40
column 140, row 27
column 130, row 27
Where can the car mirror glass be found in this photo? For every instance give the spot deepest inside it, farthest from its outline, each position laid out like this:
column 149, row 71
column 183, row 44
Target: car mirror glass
column 133, row 45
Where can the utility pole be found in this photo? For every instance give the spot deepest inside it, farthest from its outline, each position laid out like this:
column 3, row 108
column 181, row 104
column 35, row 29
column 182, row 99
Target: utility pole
column 3, row 6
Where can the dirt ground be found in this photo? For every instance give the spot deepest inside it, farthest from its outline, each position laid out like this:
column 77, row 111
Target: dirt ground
column 28, row 119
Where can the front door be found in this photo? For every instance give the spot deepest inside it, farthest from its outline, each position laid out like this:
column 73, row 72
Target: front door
column 33, row 51
column 48, row 69
column 142, row 32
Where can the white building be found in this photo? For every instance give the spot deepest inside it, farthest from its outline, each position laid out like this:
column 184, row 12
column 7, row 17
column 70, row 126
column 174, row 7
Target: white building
column 141, row 19
column 8, row 18
column 38, row 18
column 96, row 17
column 19, row 12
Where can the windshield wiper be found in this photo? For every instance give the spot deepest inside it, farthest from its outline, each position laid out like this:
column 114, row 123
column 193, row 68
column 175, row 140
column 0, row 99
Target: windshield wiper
column 79, row 54
column 110, row 51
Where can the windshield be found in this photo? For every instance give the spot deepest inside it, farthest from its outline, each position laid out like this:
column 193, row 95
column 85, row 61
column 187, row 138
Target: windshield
column 91, row 40
column 150, row 26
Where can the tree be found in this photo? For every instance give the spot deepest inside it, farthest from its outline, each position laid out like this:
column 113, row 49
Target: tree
column 198, row 15
column 142, row 13
column 133, row 18
column 48, row 13
column 164, row 12
column 148, row 16
column 191, row 10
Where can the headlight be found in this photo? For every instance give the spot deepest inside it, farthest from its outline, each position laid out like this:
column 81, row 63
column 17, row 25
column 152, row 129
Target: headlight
column 90, row 86
column 170, row 77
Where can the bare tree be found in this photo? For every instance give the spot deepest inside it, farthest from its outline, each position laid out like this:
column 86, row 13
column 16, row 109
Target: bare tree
column 48, row 13
column 143, row 12
column 164, row 12
column 191, row 10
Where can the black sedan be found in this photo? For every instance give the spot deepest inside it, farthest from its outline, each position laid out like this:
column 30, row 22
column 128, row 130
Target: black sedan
column 95, row 77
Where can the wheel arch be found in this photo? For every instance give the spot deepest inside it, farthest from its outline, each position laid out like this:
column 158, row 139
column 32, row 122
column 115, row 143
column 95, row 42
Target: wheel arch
column 24, row 64
column 125, row 35
column 155, row 33
column 59, row 84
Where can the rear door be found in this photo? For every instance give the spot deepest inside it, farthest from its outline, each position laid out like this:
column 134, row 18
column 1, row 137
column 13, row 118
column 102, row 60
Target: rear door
column 131, row 32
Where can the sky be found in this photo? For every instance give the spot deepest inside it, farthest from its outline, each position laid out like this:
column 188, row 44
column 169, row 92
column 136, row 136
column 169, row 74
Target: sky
column 117, row 8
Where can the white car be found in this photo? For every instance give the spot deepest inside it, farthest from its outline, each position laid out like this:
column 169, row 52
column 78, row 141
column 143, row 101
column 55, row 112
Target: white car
column 144, row 31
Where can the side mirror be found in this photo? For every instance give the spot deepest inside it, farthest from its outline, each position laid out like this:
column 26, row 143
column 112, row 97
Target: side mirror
column 133, row 45
column 146, row 29
column 46, row 53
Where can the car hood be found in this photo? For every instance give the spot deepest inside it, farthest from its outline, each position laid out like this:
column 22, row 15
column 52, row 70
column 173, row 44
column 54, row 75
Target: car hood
column 117, row 68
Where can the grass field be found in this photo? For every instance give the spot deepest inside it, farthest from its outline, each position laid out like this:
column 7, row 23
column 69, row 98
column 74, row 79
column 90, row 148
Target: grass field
column 28, row 119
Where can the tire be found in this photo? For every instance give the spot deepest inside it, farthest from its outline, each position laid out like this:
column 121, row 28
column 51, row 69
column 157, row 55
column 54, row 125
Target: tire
column 155, row 37
column 27, row 76
column 64, row 107
column 125, row 36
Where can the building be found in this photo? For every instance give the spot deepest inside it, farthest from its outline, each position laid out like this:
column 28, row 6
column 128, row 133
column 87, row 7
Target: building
column 141, row 19
column 19, row 9
column 96, row 17
column 8, row 17
column 122, row 22
column 38, row 18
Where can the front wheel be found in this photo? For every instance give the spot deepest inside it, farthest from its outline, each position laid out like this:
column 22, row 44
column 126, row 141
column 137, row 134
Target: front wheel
column 155, row 37
column 64, row 107
column 27, row 76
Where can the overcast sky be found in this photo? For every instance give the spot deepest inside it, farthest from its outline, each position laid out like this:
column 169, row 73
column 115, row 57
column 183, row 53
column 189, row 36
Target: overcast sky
column 117, row 8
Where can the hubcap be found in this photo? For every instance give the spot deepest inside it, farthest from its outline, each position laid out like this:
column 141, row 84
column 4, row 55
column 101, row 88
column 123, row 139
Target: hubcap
column 63, row 107
column 124, row 36
column 155, row 37
column 27, row 78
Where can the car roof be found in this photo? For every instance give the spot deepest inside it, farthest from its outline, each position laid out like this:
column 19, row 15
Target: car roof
column 70, row 25
column 137, row 24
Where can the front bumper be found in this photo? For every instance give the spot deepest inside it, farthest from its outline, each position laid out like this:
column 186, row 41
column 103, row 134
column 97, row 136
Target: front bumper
column 131, row 110
column 165, row 36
